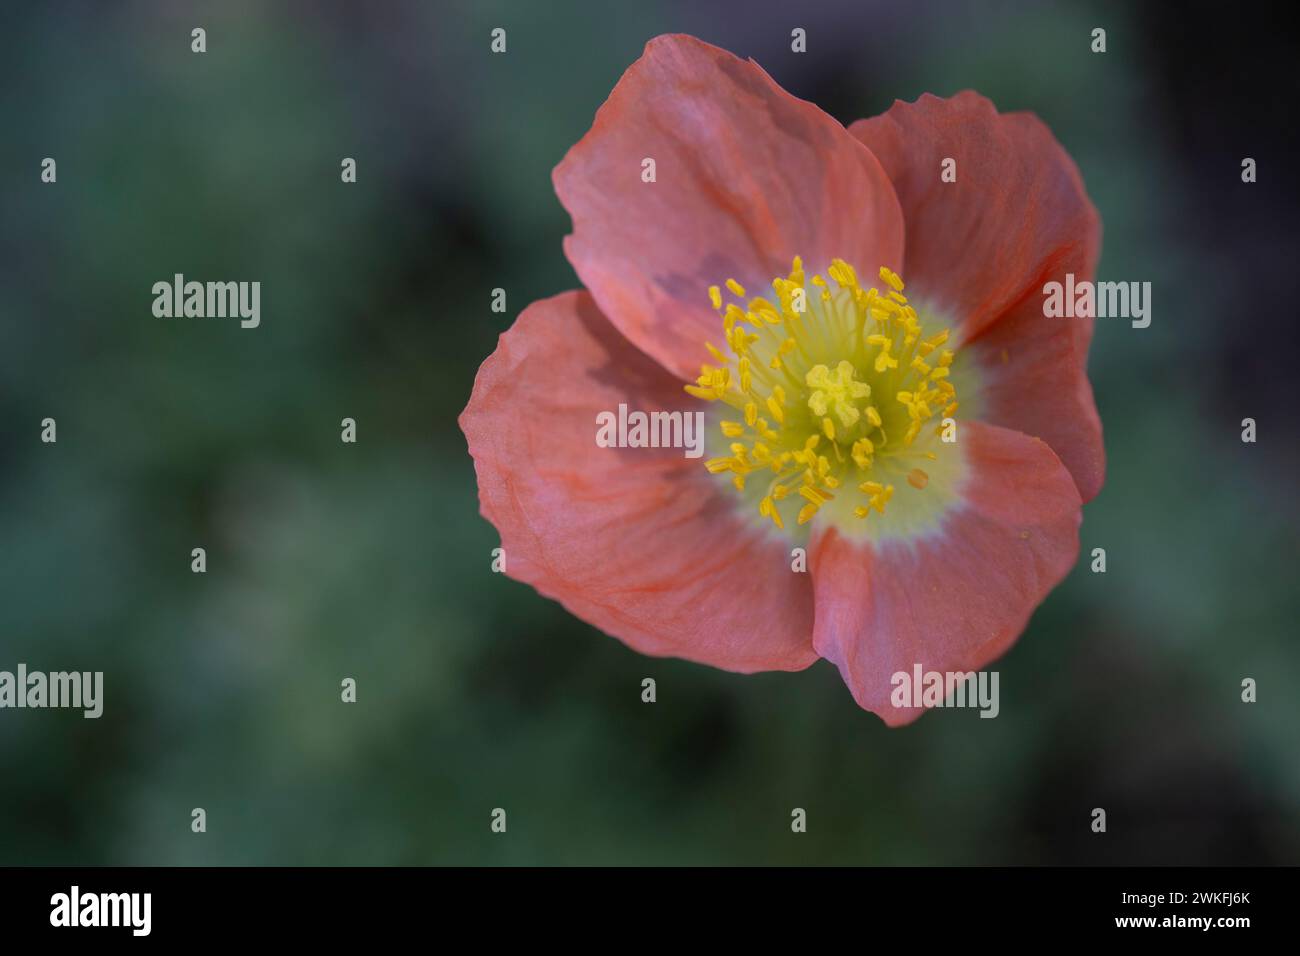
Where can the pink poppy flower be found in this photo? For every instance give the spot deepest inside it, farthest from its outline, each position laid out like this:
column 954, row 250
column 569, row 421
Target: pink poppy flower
column 927, row 445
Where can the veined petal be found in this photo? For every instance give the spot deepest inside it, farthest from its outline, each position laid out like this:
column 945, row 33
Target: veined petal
column 746, row 178
column 1016, row 216
column 981, row 249
column 1033, row 379
column 956, row 598
column 639, row 542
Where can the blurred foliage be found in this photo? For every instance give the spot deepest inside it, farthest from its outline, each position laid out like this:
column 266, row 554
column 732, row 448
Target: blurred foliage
column 370, row 560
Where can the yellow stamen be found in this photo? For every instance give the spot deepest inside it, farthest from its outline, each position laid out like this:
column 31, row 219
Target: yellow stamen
column 848, row 367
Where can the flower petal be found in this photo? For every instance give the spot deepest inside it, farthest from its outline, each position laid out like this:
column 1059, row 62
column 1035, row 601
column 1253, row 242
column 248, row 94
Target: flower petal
column 981, row 249
column 957, row 598
column 1033, row 380
column 641, row 542
column 1016, row 216
column 747, row 177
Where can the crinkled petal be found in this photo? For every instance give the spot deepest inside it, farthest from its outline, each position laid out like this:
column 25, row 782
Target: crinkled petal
column 1016, row 215
column 1032, row 379
column 981, row 249
column 955, row 599
column 746, row 177
column 642, row 543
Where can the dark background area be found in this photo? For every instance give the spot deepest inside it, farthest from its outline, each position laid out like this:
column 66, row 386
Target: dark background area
column 370, row 561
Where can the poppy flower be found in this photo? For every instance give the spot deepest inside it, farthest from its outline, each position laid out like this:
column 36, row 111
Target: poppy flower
column 858, row 314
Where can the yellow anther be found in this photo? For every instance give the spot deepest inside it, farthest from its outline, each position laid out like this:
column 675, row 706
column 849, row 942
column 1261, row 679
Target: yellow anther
column 809, row 492
column 862, row 453
column 821, row 432
column 775, row 408
column 843, row 274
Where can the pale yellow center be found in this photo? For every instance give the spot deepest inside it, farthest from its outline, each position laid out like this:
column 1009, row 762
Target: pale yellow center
column 832, row 384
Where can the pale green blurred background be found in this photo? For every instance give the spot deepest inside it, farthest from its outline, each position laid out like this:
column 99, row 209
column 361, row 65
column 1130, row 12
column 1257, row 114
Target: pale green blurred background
column 371, row 561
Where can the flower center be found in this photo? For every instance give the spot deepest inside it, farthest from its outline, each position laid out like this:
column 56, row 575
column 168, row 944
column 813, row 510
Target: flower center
column 831, row 386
